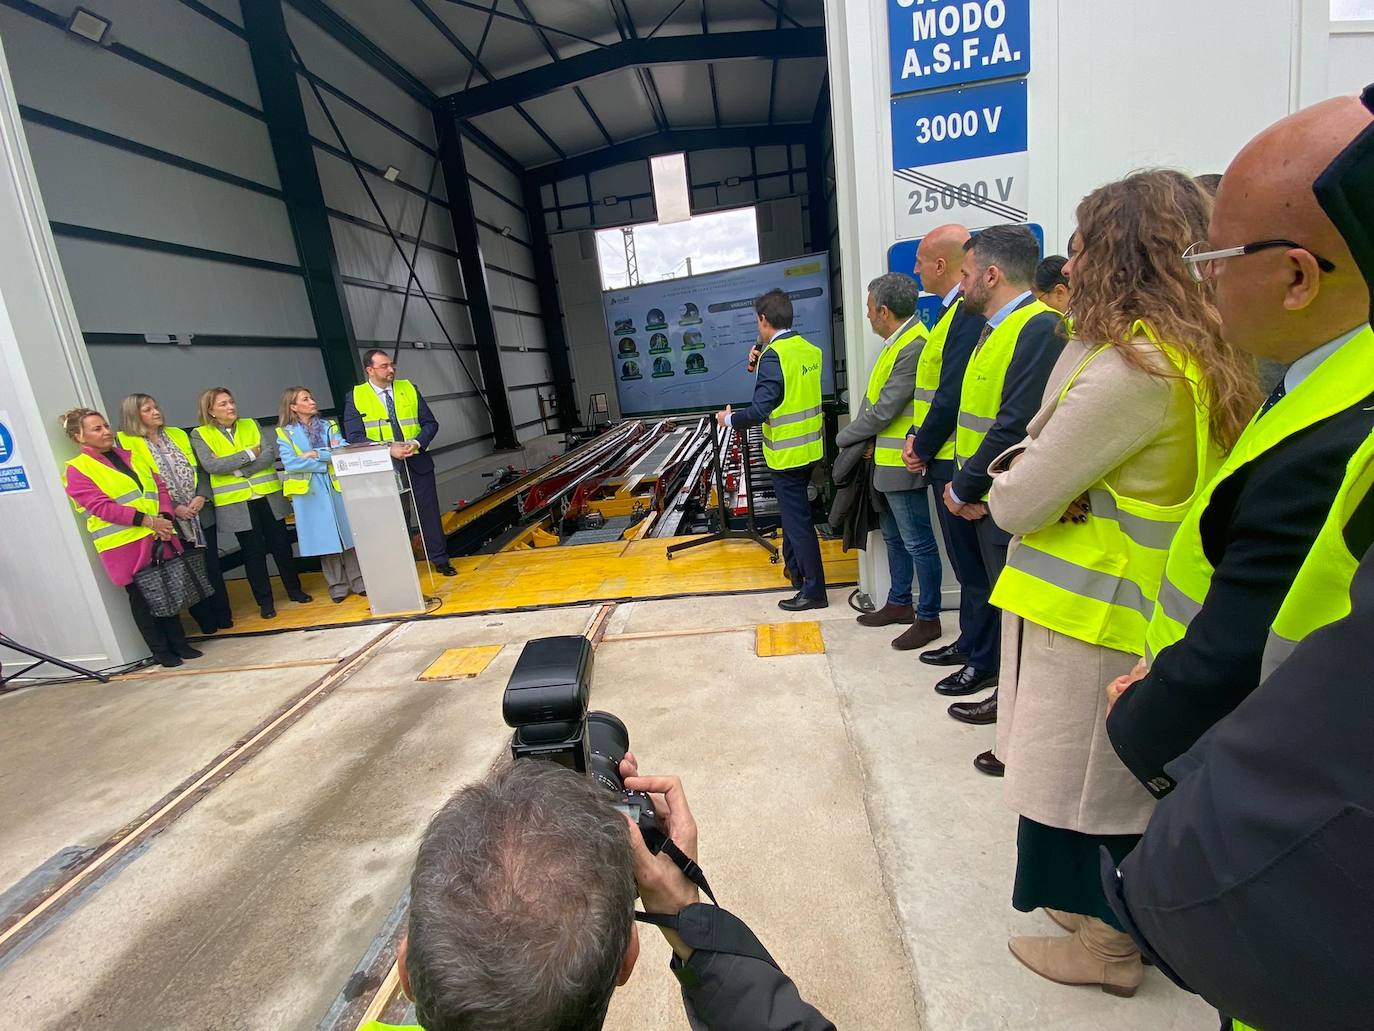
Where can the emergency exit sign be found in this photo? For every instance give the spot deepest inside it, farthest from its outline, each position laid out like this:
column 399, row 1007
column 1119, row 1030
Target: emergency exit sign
column 938, row 43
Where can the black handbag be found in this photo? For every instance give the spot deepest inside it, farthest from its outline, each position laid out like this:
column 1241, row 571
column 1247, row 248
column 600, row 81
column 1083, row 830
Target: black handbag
column 174, row 581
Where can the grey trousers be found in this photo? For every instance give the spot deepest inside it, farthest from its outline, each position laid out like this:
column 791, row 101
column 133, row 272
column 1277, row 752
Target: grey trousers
column 342, row 574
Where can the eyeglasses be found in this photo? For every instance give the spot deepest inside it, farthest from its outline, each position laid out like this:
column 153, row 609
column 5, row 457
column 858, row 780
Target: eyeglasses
column 1199, row 262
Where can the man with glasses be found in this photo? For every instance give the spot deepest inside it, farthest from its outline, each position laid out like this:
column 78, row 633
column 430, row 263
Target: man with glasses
column 1287, row 289
column 385, row 409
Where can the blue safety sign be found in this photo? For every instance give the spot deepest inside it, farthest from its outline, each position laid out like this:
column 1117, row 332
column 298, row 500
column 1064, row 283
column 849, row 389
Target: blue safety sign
column 954, row 125
column 14, row 479
column 938, row 43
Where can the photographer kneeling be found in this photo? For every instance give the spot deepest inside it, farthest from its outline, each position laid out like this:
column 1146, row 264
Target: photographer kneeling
column 522, row 911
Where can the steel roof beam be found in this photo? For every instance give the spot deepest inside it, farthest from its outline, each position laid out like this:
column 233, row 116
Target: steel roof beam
column 667, row 143
column 633, row 53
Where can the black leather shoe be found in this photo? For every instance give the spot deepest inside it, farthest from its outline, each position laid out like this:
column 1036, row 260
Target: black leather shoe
column 800, row 603
column 299, row 596
column 446, row 569
column 949, row 655
column 977, row 713
column 268, row 611
column 186, row 651
column 988, row 763
column 167, row 659
column 967, row 681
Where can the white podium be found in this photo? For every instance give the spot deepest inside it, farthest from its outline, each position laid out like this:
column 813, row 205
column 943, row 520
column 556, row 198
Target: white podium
column 372, row 499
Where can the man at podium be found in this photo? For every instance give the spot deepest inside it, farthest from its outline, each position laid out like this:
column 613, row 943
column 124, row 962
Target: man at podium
column 385, row 409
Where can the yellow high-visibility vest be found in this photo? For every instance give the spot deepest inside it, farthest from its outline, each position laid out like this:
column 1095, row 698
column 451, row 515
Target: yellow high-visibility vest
column 1097, row 581
column 143, row 451
column 792, row 432
column 293, row 484
column 138, row 491
column 928, row 368
column 229, row 488
column 1321, row 591
column 888, row 445
column 1333, row 386
column 981, row 397
column 372, row 408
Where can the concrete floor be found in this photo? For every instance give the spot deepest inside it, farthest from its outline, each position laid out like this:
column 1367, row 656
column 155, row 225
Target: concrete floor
column 840, row 816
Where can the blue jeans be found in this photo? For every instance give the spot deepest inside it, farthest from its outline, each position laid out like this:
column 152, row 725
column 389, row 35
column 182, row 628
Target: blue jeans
column 911, row 547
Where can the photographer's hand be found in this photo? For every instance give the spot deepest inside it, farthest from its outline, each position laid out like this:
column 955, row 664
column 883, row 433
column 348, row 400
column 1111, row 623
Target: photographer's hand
column 662, row 886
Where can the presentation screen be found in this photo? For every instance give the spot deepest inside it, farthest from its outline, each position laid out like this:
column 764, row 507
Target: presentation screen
column 683, row 344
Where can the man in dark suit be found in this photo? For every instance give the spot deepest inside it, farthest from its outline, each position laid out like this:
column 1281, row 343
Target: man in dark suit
column 1022, row 339
column 384, row 409
column 1288, row 288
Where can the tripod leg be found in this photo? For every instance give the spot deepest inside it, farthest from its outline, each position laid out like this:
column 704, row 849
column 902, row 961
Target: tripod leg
column 81, row 671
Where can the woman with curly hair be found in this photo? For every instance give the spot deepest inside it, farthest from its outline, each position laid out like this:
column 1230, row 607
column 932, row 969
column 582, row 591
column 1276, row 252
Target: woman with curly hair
column 1142, row 405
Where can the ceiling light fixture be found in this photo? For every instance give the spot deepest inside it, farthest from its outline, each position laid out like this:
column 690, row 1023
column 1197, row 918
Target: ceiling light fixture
column 611, row 201
column 88, row 25
column 391, row 174
column 732, row 181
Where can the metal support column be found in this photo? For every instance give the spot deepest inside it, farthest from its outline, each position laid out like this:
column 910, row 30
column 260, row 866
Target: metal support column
column 270, row 48
column 469, row 246
column 547, row 283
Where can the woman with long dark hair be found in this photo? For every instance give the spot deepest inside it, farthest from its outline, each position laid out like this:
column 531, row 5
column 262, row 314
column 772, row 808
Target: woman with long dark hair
column 1142, row 405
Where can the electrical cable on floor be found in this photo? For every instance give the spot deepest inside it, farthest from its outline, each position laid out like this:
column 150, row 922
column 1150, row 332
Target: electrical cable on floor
column 858, row 608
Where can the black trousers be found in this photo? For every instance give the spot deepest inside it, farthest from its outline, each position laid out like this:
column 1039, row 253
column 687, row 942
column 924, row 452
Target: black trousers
column 425, row 492
column 977, row 559
column 801, row 550
column 214, row 612
column 163, row 634
column 268, row 534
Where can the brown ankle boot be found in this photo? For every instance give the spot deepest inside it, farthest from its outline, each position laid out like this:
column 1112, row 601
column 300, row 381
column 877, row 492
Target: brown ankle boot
column 1069, row 921
column 918, row 635
column 1094, row 954
column 887, row 615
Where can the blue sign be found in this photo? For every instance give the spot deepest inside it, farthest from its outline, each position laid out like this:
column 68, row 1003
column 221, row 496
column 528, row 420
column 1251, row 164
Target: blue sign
column 938, row 43
column 955, row 125
column 13, row 477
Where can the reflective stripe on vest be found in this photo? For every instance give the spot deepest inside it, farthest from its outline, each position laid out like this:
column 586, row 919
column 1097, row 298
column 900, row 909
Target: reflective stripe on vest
column 294, row 484
column 792, row 433
column 228, row 488
column 1333, row 386
column 1321, row 591
column 981, row 397
column 140, row 494
column 891, row 439
column 1097, row 581
column 143, row 451
column 372, row 409
column 928, row 368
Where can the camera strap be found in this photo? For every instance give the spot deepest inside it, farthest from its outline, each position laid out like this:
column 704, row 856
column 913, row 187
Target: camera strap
column 711, row 929
column 688, row 866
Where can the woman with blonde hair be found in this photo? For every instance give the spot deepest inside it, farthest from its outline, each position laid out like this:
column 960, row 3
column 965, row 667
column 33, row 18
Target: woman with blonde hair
column 247, row 493
column 144, row 433
column 305, row 441
column 1145, row 400
column 127, row 510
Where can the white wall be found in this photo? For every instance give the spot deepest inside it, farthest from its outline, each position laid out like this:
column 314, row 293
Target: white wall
column 1351, row 58
column 1114, row 85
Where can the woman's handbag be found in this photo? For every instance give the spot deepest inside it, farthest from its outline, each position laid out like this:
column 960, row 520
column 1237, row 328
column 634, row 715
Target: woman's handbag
column 174, row 581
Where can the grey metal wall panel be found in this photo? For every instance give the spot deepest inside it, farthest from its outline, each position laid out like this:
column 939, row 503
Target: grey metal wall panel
column 510, row 292
column 56, row 72
column 376, row 313
column 126, row 290
column 177, row 375
column 523, row 331
column 435, row 370
column 524, row 368
column 493, row 209
column 370, row 254
column 505, row 253
column 89, row 184
column 369, row 140
column 228, row 8
column 338, row 66
column 180, row 37
column 343, row 192
column 490, row 171
column 460, row 419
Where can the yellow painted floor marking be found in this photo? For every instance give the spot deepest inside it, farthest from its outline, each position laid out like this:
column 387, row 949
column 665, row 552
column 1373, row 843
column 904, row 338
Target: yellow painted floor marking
column 788, row 639
column 461, row 663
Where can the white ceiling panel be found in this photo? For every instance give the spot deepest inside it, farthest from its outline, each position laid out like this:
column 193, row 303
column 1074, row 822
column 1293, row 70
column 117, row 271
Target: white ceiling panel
column 510, row 46
column 569, row 24
column 563, row 117
column 620, row 103
column 799, row 86
column 406, row 35
column 685, row 90
column 742, row 87
column 515, row 136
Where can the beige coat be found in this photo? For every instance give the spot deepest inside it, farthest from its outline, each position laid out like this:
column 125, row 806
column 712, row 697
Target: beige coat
column 1136, row 431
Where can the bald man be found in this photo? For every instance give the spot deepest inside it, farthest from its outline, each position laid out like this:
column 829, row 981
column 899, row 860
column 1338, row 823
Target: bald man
column 1288, row 289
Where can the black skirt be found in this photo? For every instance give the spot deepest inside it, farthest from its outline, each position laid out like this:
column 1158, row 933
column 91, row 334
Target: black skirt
column 1060, row 869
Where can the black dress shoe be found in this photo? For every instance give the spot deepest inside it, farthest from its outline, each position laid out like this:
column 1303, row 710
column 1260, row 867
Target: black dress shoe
column 446, row 569
column 299, row 596
column 186, row 651
column 977, row 713
column 967, row 681
column 268, row 611
column 167, row 659
column 800, row 603
column 226, row 623
column 988, row 763
column 793, row 577
column 949, row 655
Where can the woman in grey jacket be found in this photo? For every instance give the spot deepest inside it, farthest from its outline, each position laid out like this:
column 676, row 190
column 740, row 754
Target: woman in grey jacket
column 247, row 494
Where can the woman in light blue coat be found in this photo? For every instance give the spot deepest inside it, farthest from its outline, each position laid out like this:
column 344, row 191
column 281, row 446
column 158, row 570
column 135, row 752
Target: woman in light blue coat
column 322, row 528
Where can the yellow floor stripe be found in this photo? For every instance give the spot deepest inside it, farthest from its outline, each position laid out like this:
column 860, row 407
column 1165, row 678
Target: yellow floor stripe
column 461, row 663
column 788, row 639
column 554, row 576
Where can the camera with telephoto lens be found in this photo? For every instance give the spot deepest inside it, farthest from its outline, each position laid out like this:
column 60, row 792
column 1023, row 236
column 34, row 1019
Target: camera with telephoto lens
column 546, row 702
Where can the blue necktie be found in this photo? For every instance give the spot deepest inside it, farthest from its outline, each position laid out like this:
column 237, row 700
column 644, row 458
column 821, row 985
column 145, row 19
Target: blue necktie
column 1273, row 399
column 396, row 433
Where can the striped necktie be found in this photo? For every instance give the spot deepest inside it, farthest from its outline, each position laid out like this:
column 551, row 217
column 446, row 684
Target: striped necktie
column 396, row 433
